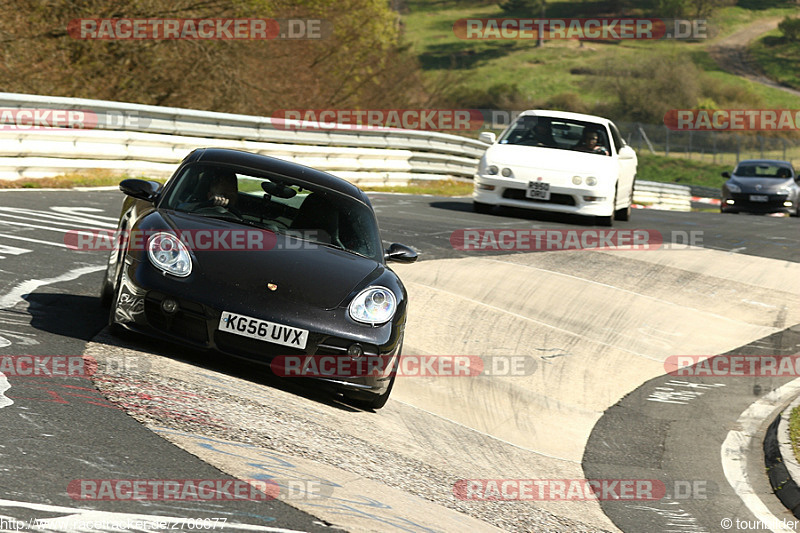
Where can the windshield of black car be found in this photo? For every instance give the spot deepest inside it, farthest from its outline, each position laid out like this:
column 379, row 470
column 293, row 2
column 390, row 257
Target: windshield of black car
column 548, row 132
column 276, row 203
column 762, row 170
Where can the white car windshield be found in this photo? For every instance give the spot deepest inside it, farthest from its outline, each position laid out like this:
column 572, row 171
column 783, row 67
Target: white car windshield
column 564, row 134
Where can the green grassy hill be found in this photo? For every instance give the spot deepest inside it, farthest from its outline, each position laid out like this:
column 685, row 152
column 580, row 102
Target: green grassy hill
column 563, row 74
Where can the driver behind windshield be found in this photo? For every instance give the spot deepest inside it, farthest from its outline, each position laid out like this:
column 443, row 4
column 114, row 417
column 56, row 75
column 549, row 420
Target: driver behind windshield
column 222, row 190
column 215, row 187
column 542, row 134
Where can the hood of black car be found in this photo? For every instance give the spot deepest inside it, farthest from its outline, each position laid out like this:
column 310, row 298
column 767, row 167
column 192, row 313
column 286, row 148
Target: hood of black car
column 289, row 275
column 763, row 185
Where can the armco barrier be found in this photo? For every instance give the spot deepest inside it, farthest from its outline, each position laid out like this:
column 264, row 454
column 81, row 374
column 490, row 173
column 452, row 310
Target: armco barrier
column 664, row 196
column 151, row 140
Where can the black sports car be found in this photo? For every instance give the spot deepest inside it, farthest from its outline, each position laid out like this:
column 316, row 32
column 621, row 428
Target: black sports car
column 761, row 186
column 264, row 259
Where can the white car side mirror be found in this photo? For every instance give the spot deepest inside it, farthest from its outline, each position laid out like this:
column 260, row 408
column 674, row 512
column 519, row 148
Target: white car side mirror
column 488, row 137
column 626, row 152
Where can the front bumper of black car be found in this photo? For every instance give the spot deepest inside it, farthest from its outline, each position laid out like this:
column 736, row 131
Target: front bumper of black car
column 757, row 202
column 149, row 304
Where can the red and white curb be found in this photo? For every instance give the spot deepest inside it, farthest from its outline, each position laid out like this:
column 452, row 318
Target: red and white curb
column 712, row 201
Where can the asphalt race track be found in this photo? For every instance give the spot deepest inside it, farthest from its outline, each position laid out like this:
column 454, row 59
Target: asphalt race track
column 595, row 329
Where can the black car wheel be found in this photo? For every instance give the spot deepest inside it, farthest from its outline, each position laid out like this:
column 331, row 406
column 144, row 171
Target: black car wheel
column 623, row 214
column 114, row 291
column 376, row 401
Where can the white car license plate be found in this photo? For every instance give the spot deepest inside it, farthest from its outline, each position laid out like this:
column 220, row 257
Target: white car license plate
column 538, row 190
column 256, row 328
column 758, row 198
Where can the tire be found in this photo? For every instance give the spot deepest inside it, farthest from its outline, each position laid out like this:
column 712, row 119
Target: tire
column 114, row 328
column 106, row 292
column 379, row 400
column 483, row 209
column 623, row 214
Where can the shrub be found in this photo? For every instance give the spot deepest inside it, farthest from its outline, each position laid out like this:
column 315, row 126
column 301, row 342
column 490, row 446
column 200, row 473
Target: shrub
column 790, row 28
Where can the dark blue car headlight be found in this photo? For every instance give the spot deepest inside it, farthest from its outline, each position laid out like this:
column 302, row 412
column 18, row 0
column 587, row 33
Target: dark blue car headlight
column 374, row 305
column 169, row 254
column 733, row 187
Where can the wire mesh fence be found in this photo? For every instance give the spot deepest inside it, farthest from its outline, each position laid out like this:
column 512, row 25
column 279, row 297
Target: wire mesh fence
column 723, row 147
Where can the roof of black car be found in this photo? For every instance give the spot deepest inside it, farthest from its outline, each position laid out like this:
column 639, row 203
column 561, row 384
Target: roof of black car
column 280, row 166
column 777, row 162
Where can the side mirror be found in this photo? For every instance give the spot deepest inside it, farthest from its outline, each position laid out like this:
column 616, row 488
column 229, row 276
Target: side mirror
column 141, row 189
column 726, row 175
column 488, row 137
column 400, row 253
column 626, row 152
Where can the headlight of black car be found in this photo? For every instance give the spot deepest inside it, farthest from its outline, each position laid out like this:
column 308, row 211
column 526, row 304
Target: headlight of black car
column 169, row 254
column 374, row 305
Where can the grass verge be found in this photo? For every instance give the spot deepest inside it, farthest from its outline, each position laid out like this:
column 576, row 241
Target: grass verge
column 435, row 188
column 84, row 178
column 794, row 431
column 651, row 168
column 682, row 171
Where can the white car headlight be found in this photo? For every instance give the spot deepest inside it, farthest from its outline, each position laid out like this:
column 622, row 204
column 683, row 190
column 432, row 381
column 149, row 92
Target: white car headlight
column 734, row 188
column 492, row 169
column 374, row 305
column 169, row 254
column 591, row 181
column 506, row 172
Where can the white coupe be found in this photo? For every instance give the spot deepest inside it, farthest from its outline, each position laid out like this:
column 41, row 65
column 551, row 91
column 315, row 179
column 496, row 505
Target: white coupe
column 558, row 161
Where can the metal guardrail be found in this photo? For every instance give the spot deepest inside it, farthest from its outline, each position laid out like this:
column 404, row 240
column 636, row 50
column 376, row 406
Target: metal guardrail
column 151, row 140
column 664, row 196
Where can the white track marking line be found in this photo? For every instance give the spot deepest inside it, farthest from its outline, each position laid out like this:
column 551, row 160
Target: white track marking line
column 13, row 297
column 85, row 212
column 738, row 442
column 61, row 221
column 37, row 241
column 60, row 230
column 75, row 516
column 5, row 401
